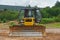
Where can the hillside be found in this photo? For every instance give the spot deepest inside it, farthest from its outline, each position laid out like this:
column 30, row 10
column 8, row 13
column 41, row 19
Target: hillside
column 10, row 7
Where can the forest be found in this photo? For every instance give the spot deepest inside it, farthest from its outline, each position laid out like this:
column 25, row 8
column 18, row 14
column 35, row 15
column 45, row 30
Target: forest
column 49, row 14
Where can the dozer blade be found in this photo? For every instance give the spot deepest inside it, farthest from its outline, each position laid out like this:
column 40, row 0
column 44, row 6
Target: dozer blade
column 27, row 31
column 26, row 34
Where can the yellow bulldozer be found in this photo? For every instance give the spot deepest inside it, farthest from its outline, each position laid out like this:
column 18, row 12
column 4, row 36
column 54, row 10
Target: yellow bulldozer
column 29, row 19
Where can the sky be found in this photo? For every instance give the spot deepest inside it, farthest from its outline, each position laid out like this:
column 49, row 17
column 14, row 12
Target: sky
column 39, row 3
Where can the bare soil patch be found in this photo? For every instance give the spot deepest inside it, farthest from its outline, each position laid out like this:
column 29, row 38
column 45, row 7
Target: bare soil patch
column 52, row 34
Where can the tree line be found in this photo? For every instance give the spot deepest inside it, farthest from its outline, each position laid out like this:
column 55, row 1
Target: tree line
column 48, row 14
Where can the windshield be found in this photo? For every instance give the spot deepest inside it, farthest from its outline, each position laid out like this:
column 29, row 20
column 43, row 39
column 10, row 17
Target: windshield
column 28, row 13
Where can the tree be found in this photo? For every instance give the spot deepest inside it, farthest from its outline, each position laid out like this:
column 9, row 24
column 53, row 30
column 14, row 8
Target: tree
column 45, row 13
column 5, row 9
column 57, row 4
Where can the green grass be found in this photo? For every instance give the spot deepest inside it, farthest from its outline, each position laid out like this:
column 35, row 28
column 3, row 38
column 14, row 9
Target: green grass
column 52, row 25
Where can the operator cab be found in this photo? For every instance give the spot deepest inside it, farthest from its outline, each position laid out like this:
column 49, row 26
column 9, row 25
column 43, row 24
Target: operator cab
column 30, row 16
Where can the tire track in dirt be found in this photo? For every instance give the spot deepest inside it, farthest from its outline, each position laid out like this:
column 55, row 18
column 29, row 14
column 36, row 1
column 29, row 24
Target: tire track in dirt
column 53, row 30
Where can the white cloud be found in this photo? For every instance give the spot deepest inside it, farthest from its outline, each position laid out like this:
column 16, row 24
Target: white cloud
column 59, row 0
column 39, row 3
column 43, row 3
column 13, row 2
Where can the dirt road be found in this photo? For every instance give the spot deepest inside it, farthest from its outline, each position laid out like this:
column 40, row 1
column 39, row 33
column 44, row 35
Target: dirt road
column 52, row 34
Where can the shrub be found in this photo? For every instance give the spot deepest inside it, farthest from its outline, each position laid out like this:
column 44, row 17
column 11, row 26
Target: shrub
column 47, row 20
column 12, row 24
column 4, row 20
column 0, row 21
column 57, row 18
